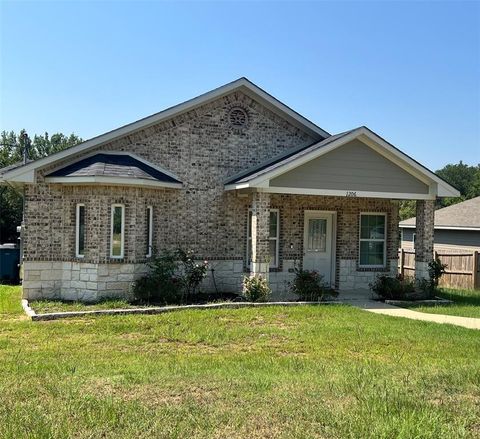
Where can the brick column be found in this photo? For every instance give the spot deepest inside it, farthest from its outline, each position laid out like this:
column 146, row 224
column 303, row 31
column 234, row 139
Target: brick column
column 424, row 237
column 260, row 234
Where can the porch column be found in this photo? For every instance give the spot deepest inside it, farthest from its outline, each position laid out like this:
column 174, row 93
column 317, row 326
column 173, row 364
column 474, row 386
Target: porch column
column 424, row 237
column 260, row 234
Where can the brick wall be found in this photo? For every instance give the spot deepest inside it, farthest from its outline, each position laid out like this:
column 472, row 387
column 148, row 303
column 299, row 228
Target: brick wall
column 203, row 150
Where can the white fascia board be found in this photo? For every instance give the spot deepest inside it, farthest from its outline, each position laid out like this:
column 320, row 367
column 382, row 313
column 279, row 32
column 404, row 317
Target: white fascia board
column 468, row 229
column 114, row 181
column 166, row 114
column 346, row 194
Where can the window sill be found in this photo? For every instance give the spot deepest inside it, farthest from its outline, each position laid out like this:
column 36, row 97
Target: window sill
column 373, row 268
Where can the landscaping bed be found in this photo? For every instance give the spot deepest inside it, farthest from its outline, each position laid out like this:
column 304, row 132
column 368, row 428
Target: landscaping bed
column 51, row 306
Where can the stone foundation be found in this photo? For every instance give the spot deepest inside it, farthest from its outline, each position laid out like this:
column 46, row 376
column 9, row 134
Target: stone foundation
column 84, row 282
column 351, row 277
column 89, row 282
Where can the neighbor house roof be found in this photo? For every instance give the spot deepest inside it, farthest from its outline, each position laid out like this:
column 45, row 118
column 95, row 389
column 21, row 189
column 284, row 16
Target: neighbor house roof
column 113, row 168
column 461, row 216
column 25, row 173
column 260, row 175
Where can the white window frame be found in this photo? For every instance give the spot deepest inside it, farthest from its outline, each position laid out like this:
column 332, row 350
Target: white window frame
column 150, row 232
column 384, row 240
column 122, row 241
column 77, row 230
column 276, row 238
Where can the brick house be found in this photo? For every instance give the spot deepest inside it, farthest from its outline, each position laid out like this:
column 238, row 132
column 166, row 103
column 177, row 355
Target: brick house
column 235, row 175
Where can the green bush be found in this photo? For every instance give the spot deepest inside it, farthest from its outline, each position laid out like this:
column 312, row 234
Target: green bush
column 310, row 287
column 172, row 278
column 435, row 271
column 256, row 289
column 388, row 287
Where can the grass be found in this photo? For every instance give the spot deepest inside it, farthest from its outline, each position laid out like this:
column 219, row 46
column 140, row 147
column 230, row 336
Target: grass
column 308, row 372
column 466, row 304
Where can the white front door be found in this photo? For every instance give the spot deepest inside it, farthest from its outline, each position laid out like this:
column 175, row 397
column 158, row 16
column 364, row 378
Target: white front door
column 318, row 243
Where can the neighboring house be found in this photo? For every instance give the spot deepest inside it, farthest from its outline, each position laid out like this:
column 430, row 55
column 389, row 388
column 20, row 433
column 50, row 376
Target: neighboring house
column 235, row 175
column 457, row 228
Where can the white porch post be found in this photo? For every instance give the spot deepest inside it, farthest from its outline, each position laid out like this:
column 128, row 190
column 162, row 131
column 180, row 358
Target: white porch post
column 424, row 237
column 260, row 234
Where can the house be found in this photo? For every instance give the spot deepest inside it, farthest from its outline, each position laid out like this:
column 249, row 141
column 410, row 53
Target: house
column 457, row 228
column 235, row 175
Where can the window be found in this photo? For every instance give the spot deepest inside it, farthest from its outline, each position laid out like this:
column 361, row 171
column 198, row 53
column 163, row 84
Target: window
column 117, row 231
column 317, row 234
column 149, row 231
column 80, row 231
column 274, row 234
column 372, row 239
column 414, row 237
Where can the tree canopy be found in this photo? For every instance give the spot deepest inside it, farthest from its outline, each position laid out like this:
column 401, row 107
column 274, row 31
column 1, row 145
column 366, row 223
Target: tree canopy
column 11, row 151
column 460, row 175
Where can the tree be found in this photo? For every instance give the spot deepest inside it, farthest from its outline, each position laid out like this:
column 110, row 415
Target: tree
column 11, row 152
column 464, row 177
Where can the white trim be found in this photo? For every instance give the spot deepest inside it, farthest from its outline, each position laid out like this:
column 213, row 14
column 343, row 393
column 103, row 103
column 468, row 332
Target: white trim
column 333, row 213
column 384, row 240
column 112, row 181
column 240, row 84
column 344, row 193
column 77, row 230
column 467, row 229
column 277, row 238
column 122, row 236
column 437, row 187
column 150, row 231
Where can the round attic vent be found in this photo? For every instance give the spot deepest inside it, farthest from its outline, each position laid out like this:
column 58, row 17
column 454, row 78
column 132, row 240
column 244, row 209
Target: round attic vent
column 238, row 117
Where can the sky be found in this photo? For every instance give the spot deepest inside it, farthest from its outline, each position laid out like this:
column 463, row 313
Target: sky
column 410, row 71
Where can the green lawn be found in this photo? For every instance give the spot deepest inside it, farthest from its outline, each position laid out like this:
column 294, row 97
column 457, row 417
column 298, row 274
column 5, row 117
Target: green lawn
column 287, row 372
column 466, row 304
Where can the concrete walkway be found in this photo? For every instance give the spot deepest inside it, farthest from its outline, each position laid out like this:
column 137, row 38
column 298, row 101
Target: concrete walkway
column 362, row 299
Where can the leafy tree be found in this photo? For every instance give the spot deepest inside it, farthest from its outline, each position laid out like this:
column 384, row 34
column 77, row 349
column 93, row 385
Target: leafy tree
column 464, row 177
column 12, row 146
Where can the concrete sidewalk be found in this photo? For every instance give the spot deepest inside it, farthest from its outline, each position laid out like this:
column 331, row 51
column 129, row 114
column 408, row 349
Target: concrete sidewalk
column 362, row 299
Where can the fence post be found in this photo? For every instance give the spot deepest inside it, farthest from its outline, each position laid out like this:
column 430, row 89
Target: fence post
column 402, row 262
column 474, row 269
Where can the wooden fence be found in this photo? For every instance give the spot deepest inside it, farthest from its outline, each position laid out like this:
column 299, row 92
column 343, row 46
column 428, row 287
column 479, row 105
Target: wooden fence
column 463, row 269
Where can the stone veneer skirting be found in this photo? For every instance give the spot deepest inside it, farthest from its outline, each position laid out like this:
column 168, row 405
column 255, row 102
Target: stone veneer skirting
column 80, row 281
column 89, row 282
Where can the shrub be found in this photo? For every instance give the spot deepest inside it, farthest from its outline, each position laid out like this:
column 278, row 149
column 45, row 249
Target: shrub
column 170, row 281
column 192, row 272
column 309, row 286
column 435, row 271
column 388, row 287
column 256, row 289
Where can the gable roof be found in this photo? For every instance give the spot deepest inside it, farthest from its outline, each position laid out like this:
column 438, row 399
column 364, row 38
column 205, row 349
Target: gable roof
column 260, row 175
column 280, row 160
column 460, row 216
column 241, row 84
column 114, row 168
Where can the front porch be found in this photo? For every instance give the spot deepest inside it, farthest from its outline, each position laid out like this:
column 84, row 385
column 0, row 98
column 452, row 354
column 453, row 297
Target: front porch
column 348, row 240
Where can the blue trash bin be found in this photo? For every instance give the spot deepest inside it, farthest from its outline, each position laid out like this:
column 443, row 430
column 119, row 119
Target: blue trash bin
column 9, row 260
